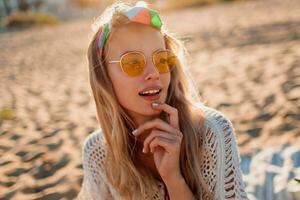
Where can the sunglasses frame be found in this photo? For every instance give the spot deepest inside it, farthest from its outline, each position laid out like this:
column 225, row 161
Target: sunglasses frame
column 145, row 58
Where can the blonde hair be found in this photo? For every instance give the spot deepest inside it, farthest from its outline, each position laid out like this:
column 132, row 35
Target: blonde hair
column 132, row 182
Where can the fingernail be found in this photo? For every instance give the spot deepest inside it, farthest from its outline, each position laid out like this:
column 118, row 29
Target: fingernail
column 155, row 104
column 134, row 131
column 144, row 150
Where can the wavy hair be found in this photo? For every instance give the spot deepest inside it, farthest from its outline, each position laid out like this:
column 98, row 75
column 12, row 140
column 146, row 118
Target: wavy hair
column 132, row 182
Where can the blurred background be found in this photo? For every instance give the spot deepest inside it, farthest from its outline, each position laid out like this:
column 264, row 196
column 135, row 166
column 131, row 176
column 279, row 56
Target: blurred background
column 244, row 57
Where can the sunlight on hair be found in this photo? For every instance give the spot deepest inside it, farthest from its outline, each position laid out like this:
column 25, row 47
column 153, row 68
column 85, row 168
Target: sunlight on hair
column 115, row 120
column 141, row 4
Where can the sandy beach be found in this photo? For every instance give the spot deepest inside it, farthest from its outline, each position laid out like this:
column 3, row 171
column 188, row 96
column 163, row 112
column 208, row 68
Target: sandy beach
column 244, row 57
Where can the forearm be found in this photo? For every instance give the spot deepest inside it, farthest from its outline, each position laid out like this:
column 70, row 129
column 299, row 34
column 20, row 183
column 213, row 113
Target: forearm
column 178, row 189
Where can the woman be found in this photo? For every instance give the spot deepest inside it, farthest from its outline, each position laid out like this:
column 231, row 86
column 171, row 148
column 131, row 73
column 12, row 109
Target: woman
column 156, row 140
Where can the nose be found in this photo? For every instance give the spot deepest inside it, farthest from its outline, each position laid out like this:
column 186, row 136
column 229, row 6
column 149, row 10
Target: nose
column 151, row 71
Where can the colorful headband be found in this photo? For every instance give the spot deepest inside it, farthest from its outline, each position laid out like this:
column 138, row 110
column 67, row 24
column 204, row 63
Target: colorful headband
column 139, row 14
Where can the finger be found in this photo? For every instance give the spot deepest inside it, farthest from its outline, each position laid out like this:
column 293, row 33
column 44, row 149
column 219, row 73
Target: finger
column 157, row 124
column 173, row 113
column 156, row 133
column 166, row 143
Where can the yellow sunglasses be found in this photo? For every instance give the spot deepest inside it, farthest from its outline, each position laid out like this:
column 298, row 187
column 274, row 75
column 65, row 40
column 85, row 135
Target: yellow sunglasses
column 133, row 63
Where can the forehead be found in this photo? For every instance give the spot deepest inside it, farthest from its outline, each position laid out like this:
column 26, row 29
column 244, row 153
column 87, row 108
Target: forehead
column 134, row 37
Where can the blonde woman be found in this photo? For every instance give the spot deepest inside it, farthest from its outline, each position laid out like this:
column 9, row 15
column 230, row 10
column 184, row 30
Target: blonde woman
column 157, row 141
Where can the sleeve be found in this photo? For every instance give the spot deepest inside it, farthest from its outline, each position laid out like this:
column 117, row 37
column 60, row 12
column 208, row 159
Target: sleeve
column 229, row 175
column 94, row 185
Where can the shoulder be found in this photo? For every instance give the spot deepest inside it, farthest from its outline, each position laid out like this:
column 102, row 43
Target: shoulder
column 221, row 165
column 93, row 149
column 215, row 120
column 95, row 184
column 217, row 132
column 93, row 139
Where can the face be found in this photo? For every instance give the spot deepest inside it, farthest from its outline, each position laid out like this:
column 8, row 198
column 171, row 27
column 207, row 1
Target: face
column 145, row 39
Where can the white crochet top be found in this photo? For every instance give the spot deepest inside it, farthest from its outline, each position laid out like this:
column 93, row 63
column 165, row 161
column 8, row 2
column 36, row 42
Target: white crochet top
column 220, row 168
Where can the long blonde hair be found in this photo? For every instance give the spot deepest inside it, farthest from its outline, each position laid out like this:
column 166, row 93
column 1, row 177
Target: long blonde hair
column 131, row 182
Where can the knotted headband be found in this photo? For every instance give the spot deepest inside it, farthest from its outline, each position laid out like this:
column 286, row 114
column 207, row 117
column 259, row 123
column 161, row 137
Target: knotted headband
column 139, row 14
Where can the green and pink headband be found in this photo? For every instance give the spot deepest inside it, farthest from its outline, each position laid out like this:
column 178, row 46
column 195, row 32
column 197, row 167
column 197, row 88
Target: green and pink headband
column 139, row 14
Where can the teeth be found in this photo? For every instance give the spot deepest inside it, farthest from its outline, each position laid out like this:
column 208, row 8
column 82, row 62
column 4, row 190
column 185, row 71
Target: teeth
column 150, row 92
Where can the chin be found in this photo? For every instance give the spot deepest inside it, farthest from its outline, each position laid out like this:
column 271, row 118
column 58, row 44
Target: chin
column 149, row 111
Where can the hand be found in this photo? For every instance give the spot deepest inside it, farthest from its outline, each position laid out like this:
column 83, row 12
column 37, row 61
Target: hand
column 164, row 141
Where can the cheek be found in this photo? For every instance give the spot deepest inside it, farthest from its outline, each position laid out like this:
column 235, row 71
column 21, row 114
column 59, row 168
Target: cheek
column 165, row 79
column 125, row 88
column 166, row 84
column 116, row 78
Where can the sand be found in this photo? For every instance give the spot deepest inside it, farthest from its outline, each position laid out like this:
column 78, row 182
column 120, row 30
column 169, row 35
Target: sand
column 244, row 57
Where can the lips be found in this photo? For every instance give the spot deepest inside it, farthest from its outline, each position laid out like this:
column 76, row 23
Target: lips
column 150, row 94
column 156, row 87
column 154, row 97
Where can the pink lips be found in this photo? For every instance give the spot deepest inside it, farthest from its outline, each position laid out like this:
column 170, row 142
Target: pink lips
column 154, row 87
column 152, row 97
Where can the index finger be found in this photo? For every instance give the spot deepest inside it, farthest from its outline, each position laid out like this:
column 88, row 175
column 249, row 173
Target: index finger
column 173, row 113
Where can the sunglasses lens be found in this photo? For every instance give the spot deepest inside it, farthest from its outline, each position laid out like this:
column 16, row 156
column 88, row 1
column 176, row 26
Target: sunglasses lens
column 133, row 63
column 165, row 61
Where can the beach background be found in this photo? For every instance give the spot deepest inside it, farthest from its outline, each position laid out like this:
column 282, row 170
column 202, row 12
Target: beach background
column 244, row 58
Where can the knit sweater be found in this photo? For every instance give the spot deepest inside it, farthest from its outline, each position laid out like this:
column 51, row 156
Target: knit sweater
column 220, row 167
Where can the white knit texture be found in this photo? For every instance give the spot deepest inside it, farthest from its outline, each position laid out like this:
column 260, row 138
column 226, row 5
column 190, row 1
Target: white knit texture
column 220, row 167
